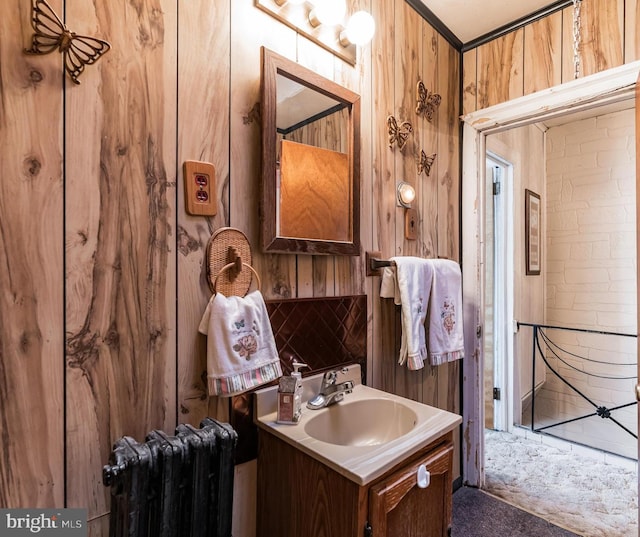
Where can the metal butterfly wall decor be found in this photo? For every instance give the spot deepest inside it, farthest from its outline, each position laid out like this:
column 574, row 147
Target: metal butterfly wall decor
column 425, row 162
column 398, row 133
column 50, row 33
column 427, row 101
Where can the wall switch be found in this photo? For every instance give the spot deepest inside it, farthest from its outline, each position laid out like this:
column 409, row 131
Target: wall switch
column 410, row 224
column 200, row 188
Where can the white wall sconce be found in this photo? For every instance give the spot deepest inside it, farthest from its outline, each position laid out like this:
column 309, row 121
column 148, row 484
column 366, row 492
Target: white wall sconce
column 324, row 22
column 405, row 194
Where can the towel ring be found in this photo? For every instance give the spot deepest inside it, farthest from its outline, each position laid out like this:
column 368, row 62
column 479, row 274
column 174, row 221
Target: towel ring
column 232, row 265
column 229, row 245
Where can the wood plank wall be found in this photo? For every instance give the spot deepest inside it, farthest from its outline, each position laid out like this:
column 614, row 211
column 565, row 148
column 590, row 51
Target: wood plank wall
column 103, row 284
column 32, row 271
column 540, row 55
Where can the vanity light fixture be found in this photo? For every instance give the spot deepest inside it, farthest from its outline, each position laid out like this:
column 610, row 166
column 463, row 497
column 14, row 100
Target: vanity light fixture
column 325, row 22
column 405, row 194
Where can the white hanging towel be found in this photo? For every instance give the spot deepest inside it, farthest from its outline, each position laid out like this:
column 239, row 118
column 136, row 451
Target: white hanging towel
column 446, row 336
column 241, row 349
column 409, row 284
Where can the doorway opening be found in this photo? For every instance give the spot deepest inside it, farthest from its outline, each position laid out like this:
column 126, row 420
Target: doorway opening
column 550, row 300
column 570, row 316
column 612, row 86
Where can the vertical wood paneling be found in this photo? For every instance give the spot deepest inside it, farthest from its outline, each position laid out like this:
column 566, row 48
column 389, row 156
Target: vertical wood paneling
column 500, row 69
column 360, row 80
column 31, row 267
column 448, row 152
column 120, row 154
column 202, row 26
column 601, row 37
column 408, row 67
column 383, row 179
column 631, row 31
column 436, row 80
column 427, row 136
column 542, row 53
column 609, row 38
column 469, row 81
column 448, row 196
column 408, row 63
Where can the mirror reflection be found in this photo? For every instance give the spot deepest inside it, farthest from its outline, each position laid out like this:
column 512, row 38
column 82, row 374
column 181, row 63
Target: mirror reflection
column 313, row 181
column 310, row 161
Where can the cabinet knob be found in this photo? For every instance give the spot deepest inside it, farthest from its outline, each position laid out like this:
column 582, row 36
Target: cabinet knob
column 424, row 477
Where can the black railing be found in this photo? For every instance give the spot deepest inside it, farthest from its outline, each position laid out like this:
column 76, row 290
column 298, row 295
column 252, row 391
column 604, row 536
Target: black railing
column 541, row 339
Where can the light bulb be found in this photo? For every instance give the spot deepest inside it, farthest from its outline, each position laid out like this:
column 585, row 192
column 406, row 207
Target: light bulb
column 359, row 30
column 329, row 12
column 406, row 194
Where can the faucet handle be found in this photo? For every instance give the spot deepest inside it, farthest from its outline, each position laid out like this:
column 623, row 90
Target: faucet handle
column 330, row 377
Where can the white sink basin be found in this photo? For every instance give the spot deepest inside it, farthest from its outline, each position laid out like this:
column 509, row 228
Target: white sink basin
column 367, row 422
column 362, row 436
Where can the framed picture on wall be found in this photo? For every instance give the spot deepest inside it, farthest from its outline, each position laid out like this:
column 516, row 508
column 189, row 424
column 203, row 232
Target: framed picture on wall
column 532, row 237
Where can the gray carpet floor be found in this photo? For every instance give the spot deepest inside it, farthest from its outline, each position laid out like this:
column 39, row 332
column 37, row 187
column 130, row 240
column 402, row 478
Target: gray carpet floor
column 477, row 514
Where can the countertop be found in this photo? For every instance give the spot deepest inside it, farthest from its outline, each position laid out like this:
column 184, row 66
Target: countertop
column 363, row 463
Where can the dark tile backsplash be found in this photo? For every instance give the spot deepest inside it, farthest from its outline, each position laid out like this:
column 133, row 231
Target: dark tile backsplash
column 324, row 333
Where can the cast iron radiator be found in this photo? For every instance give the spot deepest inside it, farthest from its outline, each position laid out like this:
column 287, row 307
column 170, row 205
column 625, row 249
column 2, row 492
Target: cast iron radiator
column 173, row 486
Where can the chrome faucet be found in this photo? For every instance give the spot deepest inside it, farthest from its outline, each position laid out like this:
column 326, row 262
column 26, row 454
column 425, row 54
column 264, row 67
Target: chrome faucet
column 330, row 391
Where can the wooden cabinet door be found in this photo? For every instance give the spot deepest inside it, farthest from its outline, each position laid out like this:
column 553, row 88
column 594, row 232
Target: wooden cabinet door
column 398, row 507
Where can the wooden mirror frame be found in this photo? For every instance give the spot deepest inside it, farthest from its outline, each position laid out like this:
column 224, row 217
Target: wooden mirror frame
column 273, row 65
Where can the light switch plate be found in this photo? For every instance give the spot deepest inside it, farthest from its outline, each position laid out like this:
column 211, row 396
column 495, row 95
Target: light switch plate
column 200, row 188
column 411, row 224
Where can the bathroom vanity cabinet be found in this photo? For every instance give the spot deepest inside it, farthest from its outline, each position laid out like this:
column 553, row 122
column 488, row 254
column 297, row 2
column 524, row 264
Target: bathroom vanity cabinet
column 299, row 495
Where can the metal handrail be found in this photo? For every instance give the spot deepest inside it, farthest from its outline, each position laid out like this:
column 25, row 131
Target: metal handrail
column 600, row 410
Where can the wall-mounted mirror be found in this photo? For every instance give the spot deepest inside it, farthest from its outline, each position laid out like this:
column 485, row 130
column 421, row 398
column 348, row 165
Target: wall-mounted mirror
column 310, row 161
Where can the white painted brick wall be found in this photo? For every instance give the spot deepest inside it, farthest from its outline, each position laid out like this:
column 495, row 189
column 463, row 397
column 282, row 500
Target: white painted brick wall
column 591, row 274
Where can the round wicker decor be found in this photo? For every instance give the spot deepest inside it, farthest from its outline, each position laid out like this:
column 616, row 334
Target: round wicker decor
column 224, row 245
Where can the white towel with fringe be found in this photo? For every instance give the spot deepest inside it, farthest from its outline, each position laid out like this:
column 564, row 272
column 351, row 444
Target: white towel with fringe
column 446, row 335
column 241, row 349
column 408, row 282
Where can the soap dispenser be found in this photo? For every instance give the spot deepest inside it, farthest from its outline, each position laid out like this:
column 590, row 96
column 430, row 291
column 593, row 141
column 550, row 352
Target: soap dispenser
column 290, row 396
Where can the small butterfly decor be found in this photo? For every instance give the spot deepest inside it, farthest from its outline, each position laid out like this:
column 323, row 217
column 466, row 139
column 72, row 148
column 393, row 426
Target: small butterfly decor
column 398, row 133
column 50, row 33
column 427, row 101
column 425, row 162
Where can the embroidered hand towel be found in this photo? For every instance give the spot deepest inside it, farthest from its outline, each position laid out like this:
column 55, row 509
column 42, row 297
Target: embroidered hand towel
column 446, row 336
column 241, row 350
column 412, row 285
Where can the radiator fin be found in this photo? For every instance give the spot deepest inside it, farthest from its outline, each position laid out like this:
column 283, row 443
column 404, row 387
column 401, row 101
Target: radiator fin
column 177, row 485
